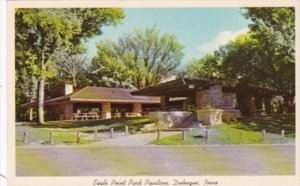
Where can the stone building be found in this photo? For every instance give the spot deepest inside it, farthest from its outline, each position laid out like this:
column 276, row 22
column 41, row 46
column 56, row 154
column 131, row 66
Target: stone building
column 94, row 103
column 230, row 96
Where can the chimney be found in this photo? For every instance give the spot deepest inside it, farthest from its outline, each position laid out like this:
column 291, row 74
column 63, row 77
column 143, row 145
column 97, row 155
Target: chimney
column 68, row 89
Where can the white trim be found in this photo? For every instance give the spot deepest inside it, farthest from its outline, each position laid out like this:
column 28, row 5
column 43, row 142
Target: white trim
column 113, row 101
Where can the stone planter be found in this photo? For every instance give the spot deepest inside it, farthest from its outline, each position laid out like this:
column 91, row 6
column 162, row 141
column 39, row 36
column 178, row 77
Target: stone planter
column 210, row 116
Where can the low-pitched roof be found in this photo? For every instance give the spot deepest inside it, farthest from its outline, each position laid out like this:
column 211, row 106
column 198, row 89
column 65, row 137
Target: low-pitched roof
column 100, row 94
column 187, row 87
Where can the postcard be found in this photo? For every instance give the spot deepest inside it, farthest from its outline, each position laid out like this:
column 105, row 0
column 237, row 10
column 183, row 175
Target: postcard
column 184, row 93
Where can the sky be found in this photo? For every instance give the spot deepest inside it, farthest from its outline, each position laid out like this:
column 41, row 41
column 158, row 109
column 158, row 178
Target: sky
column 199, row 30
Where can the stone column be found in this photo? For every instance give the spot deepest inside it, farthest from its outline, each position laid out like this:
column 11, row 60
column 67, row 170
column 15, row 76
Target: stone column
column 258, row 102
column 251, row 105
column 202, row 98
column 164, row 101
column 68, row 111
column 106, row 110
column 137, row 107
column 216, row 96
column 267, row 101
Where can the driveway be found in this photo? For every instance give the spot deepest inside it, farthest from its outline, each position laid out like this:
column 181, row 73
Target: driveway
column 108, row 159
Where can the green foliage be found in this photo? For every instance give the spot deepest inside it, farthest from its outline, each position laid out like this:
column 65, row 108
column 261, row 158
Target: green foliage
column 70, row 64
column 141, row 58
column 274, row 29
column 41, row 32
column 264, row 56
column 107, row 69
column 205, row 67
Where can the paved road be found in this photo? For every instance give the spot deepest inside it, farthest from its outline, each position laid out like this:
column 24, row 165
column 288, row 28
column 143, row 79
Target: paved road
column 111, row 160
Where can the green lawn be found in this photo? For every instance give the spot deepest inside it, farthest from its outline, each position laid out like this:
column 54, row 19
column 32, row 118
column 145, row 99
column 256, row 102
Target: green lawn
column 65, row 131
column 245, row 131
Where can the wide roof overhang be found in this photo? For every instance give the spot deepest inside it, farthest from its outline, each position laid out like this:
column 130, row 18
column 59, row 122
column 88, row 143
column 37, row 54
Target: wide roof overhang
column 185, row 87
column 182, row 87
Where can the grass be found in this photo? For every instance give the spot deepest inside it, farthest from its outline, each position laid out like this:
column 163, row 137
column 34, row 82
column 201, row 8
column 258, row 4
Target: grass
column 42, row 136
column 273, row 124
column 248, row 130
column 65, row 131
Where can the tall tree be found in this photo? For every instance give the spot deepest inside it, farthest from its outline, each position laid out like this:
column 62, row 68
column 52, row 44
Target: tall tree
column 107, row 67
column 274, row 29
column 207, row 66
column 70, row 64
column 41, row 32
column 148, row 55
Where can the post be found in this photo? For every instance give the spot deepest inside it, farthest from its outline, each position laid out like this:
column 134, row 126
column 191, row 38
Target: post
column 51, row 138
column 282, row 134
column 184, row 135
column 240, row 134
column 95, row 135
column 126, row 130
column 264, row 134
column 206, row 134
column 25, row 140
column 111, row 132
column 78, row 137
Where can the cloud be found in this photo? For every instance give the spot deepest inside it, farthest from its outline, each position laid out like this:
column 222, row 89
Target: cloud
column 221, row 39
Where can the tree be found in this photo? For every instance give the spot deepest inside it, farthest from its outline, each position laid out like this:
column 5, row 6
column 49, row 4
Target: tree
column 274, row 29
column 41, row 32
column 70, row 64
column 145, row 54
column 107, row 69
column 240, row 60
column 207, row 66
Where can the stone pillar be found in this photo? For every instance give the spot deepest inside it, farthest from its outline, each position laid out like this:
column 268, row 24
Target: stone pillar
column 251, row 105
column 187, row 103
column 68, row 111
column 216, row 96
column 202, row 98
column 137, row 107
column 106, row 110
column 164, row 101
column 267, row 101
column 258, row 102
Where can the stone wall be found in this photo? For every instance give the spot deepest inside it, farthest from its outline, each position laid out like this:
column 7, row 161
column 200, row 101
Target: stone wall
column 68, row 111
column 137, row 107
column 164, row 101
column 170, row 118
column 216, row 98
column 213, row 97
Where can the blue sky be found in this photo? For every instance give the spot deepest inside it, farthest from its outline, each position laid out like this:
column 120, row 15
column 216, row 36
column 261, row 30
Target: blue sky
column 200, row 30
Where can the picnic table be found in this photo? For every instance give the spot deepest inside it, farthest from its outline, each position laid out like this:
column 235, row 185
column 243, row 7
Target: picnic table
column 132, row 114
column 85, row 116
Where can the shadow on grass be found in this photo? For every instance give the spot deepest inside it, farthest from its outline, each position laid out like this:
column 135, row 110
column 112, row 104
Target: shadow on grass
column 273, row 124
column 134, row 124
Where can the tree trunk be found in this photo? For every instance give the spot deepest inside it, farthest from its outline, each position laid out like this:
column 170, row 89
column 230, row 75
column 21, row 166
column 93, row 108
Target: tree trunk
column 41, row 85
column 74, row 82
column 30, row 114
